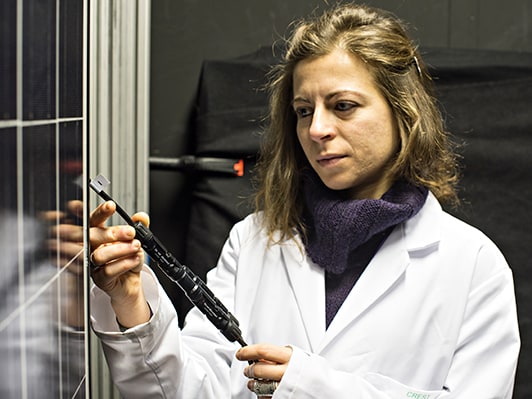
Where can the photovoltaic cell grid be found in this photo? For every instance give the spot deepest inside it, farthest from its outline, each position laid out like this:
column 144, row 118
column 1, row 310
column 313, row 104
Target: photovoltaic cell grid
column 42, row 309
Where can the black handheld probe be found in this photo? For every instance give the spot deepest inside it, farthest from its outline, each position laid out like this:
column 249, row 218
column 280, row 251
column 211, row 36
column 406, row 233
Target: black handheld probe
column 194, row 288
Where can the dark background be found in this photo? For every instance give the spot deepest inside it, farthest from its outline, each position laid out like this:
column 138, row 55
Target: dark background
column 485, row 47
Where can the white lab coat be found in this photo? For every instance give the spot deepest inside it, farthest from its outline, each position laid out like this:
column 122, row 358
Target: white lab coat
column 432, row 316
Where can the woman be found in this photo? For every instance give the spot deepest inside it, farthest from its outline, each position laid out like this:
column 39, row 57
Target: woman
column 350, row 280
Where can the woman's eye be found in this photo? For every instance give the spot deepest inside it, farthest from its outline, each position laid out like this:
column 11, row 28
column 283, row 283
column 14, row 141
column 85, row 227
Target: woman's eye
column 345, row 106
column 302, row 112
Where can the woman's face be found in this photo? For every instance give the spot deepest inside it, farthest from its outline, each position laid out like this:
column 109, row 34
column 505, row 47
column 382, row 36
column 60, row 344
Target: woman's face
column 344, row 124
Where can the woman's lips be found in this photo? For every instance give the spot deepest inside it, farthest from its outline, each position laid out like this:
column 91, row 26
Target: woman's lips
column 330, row 160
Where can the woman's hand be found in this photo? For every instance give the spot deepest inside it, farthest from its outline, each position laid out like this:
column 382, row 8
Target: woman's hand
column 268, row 363
column 117, row 259
column 65, row 244
column 65, row 237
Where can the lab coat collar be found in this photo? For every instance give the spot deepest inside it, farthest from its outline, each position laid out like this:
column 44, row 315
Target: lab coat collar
column 307, row 281
column 420, row 233
column 423, row 231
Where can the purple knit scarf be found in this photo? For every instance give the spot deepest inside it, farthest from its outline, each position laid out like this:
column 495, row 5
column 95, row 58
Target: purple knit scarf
column 343, row 235
column 336, row 226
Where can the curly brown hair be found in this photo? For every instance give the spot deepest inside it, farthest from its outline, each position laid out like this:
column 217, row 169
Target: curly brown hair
column 426, row 156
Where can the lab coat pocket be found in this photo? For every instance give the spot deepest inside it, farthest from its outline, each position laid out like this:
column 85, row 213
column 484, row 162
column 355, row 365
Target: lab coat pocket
column 396, row 390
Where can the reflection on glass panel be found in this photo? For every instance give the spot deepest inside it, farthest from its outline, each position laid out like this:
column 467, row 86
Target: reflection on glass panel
column 70, row 255
column 39, row 59
column 70, row 57
column 9, row 273
column 41, row 287
column 8, row 222
column 42, row 306
column 8, row 168
column 8, row 59
column 38, row 166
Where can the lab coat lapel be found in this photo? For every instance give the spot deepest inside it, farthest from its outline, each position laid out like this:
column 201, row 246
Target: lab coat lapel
column 388, row 266
column 307, row 282
column 384, row 270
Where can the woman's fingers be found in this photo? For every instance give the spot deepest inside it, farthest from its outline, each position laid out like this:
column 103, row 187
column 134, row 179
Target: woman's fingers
column 265, row 352
column 265, row 371
column 114, row 251
column 269, row 362
column 120, row 278
column 141, row 217
column 112, row 270
column 104, row 211
column 101, row 236
column 67, row 232
column 75, row 207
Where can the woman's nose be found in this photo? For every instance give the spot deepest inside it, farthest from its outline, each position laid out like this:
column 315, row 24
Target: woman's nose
column 322, row 126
